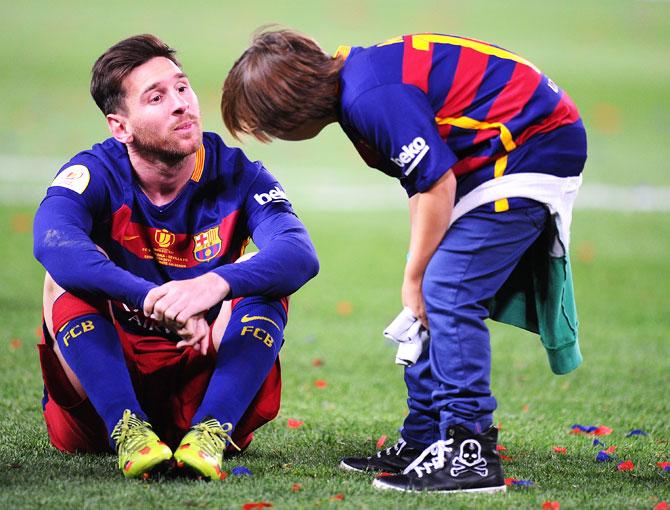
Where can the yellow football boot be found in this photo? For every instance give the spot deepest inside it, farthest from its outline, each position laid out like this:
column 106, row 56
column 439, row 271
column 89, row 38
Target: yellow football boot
column 201, row 450
column 140, row 449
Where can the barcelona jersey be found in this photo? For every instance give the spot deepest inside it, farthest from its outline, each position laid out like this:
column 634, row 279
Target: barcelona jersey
column 418, row 105
column 95, row 203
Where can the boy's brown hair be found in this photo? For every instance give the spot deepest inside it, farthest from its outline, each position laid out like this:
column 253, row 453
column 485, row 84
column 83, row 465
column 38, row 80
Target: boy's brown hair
column 281, row 81
column 117, row 62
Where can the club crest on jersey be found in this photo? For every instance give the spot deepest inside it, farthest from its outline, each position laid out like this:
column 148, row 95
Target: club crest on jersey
column 207, row 244
column 164, row 238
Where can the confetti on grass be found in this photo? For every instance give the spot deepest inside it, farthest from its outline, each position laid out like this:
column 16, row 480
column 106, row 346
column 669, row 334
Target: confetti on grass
column 15, row 343
column 560, row 449
column 519, row 483
column 636, row 432
column 665, row 466
column 626, row 465
column 382, row 439
column 320, row 383
column 317, row 362
column 500, row 448
column 241, row 471
column 296, row 487
column 603, row 456
column 551, row 505
column 337, row 497
column 662, row 506
column 259, row 504
column 295, row 424
column 592, row 430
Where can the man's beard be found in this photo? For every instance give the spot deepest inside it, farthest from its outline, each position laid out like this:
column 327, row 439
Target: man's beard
column 155, row 148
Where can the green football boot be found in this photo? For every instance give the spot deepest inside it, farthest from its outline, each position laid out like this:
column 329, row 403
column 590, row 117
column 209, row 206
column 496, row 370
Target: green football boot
column 140, row 449
column 201, row 450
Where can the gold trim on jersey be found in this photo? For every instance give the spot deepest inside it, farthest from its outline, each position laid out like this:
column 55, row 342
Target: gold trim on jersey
column 199, row 164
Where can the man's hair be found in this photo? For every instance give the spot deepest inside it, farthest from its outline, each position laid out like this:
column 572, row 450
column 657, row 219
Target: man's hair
column 117, row 62
column 281, row 81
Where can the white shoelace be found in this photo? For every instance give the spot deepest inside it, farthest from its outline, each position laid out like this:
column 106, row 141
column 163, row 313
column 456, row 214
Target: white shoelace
column 438, row 451
column 398, row 447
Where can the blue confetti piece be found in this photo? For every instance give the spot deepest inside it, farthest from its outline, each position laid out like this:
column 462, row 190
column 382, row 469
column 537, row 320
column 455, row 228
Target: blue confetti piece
column 241, row 471
column 584, row 428
column 603, row 456
column 596, row 442
column 523, row 483
column 666, row 469
column 636, row 432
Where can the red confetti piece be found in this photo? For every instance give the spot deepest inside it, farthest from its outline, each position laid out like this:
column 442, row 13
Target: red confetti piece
column 610, row 450
column 602, row 431
column 38, row 332
column 259, row 504
column 500, row 448
column 337, row 497
column 15, row 343
column 551, row 505
column 294, row 424
column 665, row 466
column 626, row 465
column 662, row 506
column 505, row 458
column 320, row 383
column 525, row 408
column 383, row 474
column 560, row 449
column 296, row 487
column 382, row 439
column 317, row 362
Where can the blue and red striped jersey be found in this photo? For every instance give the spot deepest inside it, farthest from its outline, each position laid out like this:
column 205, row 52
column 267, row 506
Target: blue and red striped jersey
column 417, row 105
column 96, row 201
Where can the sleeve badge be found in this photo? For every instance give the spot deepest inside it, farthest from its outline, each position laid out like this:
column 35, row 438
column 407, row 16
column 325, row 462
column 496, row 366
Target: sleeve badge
column 75, row 177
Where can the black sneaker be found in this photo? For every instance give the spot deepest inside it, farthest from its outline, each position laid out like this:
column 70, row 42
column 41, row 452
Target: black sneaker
column 393, row 459
column 465, row 462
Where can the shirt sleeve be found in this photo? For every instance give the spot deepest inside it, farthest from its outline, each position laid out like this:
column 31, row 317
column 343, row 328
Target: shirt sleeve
column 63, row 245
column 399, row 121
column 286, row 259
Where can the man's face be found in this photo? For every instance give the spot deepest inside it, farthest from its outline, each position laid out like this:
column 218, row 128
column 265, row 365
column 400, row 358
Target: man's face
column 162, row 111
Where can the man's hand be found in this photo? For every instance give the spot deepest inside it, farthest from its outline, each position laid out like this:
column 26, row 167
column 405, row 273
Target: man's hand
column 412, row 298
column 175, row 302
column 195, row 333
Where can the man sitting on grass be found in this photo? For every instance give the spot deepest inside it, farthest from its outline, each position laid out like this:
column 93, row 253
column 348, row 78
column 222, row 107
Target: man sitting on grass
column 154, row 340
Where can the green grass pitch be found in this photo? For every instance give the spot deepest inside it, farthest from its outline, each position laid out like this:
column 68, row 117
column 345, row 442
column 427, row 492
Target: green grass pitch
column 611, row 56
column 622, row 290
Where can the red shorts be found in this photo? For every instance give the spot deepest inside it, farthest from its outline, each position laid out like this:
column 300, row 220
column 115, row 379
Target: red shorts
column 169, row 383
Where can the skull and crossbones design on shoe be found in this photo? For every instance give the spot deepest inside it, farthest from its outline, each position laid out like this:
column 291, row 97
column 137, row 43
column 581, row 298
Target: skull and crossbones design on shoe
column 469, row 458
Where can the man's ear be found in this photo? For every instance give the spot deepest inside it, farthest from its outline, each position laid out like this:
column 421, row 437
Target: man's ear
column 119, row 127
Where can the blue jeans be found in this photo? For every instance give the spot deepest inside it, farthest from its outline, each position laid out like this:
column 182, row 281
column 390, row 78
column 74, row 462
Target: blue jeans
column 450, row 383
